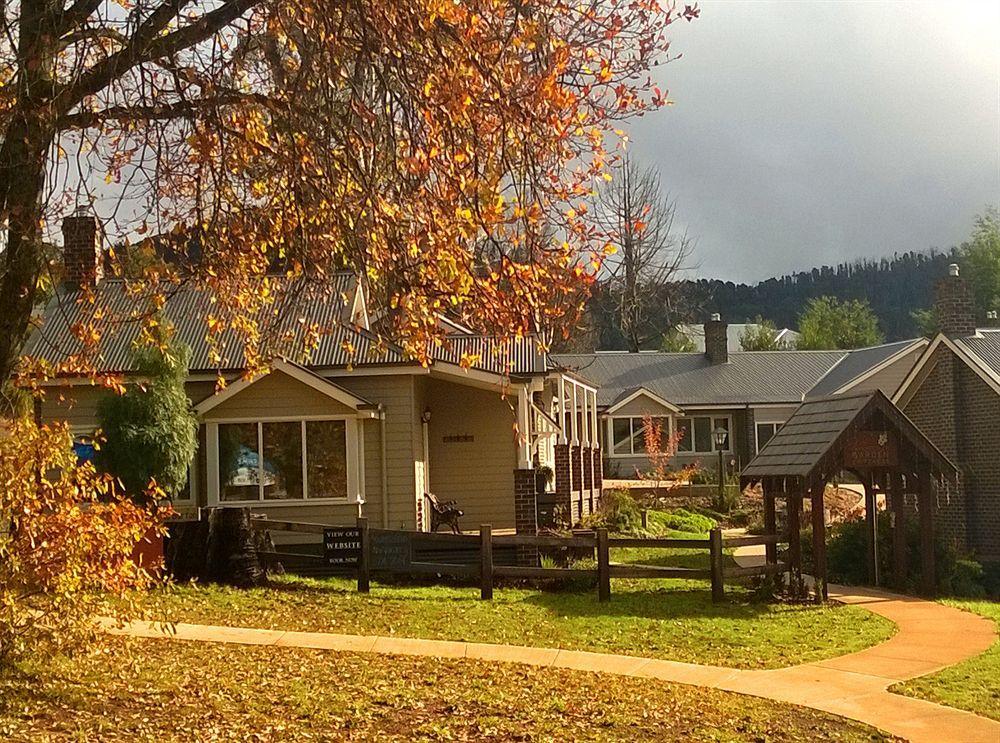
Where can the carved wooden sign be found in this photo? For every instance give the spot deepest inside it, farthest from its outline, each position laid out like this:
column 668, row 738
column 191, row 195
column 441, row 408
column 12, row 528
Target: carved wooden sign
column 867, row 449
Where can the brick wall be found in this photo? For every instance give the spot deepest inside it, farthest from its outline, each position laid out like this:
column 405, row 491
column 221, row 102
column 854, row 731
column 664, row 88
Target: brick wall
column 563, row 485
column 935, row 412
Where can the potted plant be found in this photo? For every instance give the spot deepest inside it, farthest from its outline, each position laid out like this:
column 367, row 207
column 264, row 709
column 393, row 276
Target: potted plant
column 543, row 478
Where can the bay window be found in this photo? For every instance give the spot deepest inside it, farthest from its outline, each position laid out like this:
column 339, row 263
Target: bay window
column 286, row 460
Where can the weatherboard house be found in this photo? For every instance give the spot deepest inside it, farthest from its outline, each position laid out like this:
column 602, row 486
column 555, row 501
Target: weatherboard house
column 357, row 428
column 750, row 394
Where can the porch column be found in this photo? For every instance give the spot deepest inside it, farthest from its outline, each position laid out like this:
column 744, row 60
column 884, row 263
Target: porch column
column 524, row 428
column 770, row 522
column 819, row 542
column 871, row 529
column 896, row 496
column 794, row 507
column 561, row 384
column 525, row 514
column 928, row 581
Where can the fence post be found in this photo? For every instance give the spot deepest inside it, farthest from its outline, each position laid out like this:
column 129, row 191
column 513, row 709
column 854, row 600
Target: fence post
column 715, row 559
column 486, row 562
column 364, row 558
column 603, row 566
column 645, row 519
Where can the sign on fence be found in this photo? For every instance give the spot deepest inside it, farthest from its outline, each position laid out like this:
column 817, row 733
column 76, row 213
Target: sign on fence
column 342, row 546
column 390, row 550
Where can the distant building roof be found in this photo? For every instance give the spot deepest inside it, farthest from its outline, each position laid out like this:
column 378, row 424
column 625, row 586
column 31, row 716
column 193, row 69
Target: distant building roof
column 857, row 363
column 696, row 334
column 985, row 345
column 689, row 379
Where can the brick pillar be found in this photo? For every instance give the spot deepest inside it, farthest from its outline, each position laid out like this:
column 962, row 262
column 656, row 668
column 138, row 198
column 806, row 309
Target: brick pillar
column 563, row 483
column 588, row 481
column 576, row 489
column 525, row 514
column 598, row 475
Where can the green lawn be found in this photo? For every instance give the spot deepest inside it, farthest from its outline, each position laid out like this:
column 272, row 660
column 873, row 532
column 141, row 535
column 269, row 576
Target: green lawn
column 972, row 685
column 672, row 619
column 164, row 691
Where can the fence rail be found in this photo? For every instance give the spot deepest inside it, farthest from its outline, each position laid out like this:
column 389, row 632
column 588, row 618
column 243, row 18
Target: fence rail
column 487, row 571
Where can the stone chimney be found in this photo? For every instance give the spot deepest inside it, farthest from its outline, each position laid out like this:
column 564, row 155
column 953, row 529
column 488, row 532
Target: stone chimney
column 954, row 306
column 717, row 340
column 82, row 249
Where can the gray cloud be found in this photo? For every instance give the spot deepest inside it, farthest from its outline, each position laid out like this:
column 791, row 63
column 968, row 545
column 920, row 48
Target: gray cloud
column 808, row 133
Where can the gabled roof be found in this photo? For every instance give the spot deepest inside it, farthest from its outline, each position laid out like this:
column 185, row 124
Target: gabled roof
column 301, row 374
column 116, row 312
column 629, row 395
column 980, row 352
column 858, row 364
column 809, row 443
column 298, row 310
column 690, row 379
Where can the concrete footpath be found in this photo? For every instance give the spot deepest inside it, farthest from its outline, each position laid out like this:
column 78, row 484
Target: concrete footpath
column 930, row 637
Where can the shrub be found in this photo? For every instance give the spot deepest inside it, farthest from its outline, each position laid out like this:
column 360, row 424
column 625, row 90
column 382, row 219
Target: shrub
column 151, row 432
column 847, row 547
column 66, row 537
column 618, row 512
column 680, row 519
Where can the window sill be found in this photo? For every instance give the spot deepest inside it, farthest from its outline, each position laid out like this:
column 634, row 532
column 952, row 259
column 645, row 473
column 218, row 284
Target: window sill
column 291, row 502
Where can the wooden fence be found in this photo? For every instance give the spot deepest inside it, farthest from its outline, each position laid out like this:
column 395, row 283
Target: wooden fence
column 487, row 570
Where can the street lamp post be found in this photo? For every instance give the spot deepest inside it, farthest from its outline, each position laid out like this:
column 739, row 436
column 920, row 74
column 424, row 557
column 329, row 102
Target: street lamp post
column 720, row 435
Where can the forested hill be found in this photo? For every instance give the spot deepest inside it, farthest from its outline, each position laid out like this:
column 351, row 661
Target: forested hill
column 894, row 287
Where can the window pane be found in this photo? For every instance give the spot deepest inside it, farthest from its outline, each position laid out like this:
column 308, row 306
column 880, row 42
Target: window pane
column 621, row 432
column 764, row 433
column 686, row 442
column 282, row 460
column 326, row 459
column 721, row 423
column 703, row 434
column 238, row 476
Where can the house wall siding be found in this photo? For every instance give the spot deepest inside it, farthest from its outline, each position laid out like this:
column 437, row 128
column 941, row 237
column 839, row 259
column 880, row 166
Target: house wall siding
column 641, row 406
column 278, row 395
column 478, row 473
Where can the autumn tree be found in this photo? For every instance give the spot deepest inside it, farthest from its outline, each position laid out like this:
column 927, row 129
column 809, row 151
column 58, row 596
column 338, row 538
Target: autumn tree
column 379, row 136
column 827, row 323
column 649, row 252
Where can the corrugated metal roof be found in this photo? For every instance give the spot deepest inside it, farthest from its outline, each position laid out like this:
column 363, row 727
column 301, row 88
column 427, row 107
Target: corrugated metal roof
column 689, row 379
column 985, row 345
column 856, row 363
column 297, row 310
column 801, row 447
column 116, row 313
column 499, row 355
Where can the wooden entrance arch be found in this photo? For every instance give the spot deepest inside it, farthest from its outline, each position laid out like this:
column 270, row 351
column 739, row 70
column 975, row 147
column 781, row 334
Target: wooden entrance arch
column 871, row 438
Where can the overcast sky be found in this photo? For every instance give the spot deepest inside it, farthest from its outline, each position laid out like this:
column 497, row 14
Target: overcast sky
column 805, row 133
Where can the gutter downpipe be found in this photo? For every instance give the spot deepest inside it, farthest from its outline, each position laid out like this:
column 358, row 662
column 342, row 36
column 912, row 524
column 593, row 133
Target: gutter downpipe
column 384, row 466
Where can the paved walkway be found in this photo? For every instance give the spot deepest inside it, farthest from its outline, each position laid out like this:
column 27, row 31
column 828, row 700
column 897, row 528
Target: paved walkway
column 930, row 637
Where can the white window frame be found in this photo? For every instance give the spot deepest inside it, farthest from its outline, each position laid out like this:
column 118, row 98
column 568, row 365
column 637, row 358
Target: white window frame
column 610, row 452
column 756, row 439
column 355, row 463
column 713, row 418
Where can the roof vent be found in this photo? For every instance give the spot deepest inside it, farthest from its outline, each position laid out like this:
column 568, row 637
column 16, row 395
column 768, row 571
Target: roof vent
column 716, row 317
column 953, row 269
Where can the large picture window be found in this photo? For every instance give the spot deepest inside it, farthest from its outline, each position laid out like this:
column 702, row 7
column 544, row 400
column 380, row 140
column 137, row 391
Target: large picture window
column 628, row 435
column 697, row 435
column 283, row 460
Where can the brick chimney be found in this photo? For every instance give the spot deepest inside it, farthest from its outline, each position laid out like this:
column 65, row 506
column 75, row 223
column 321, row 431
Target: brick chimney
column 717, row 340
column 954, row 306
column 82, row 249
